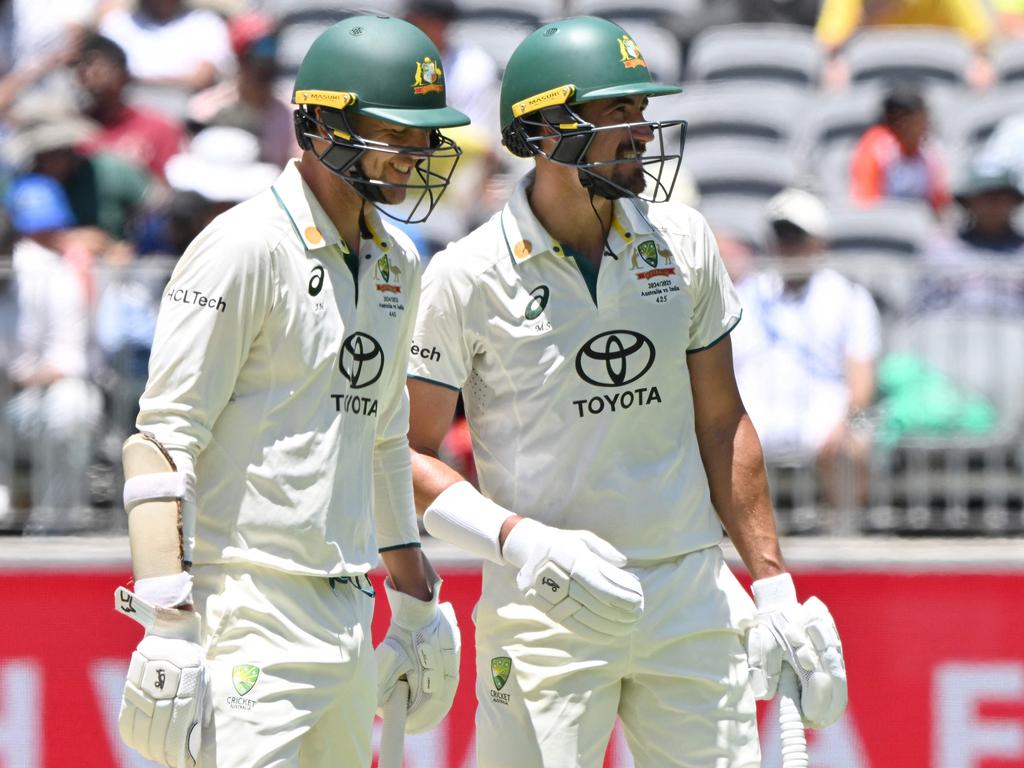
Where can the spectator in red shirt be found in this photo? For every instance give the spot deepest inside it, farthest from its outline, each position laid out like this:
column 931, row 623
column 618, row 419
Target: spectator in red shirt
column 140, row 135
column 894, row 158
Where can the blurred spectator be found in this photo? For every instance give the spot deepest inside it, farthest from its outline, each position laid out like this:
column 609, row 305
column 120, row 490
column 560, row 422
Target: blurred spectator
column 248, row 100
column 1005, row 147
column 143, row 136
column 32, row 33
column 840, row 20
column 1009, row 17
column 220, row 168
column 169, row 44
column 895, row 159
column 472, row 85
column 471, row 76
column 963, row 272
column 805, row 352
column 105, row 190
column 55, row 409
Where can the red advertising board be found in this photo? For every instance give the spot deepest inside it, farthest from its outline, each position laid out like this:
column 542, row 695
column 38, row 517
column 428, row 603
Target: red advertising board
column 935, row 661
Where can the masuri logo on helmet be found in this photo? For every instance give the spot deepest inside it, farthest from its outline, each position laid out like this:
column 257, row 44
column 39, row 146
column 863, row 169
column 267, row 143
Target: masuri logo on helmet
column 363, row 65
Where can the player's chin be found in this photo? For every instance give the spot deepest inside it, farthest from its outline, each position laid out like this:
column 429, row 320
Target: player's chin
column 631, row 179
column 394, row 195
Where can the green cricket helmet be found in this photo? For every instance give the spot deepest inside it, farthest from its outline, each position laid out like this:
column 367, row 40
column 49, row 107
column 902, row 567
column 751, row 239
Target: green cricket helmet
column 571, row 62
column 388, row 69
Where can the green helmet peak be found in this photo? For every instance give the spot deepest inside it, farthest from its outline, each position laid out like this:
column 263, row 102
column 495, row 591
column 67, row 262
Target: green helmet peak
column 571, row 61
column 378, row 66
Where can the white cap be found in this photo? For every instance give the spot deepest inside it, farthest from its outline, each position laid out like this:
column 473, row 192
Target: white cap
column 801, row 209
column 222, row 165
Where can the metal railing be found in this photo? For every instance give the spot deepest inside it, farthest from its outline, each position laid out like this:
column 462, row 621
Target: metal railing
column 962, row 325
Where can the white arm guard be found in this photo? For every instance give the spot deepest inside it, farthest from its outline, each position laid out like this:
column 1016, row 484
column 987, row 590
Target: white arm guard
column 462, row 516
column 154, row 494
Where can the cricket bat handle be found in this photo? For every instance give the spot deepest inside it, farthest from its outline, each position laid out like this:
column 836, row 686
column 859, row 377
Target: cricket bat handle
column 392, row 739
column 791, row 726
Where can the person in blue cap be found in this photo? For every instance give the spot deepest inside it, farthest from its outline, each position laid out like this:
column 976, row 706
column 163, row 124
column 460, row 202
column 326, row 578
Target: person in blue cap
column 55, row 409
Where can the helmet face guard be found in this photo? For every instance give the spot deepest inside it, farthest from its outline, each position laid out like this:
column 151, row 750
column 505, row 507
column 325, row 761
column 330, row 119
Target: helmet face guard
column 343, row 149
column 573, row 136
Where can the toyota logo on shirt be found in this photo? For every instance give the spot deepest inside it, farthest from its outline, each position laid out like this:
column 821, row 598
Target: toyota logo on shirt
column 361, row 360
column 615, row 358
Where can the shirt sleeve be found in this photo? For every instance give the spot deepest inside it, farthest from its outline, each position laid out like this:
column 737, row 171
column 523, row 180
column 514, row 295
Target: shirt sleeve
column 67, row 340
column 441, row 351
column 212, row 309
column 865, row 171
column 837, row 21
column 393, row 506
column 716, row 307
column 973, row 19
column 865, row 338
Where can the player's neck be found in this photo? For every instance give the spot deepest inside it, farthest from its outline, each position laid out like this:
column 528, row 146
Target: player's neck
column 565, row 210
column 340, row 202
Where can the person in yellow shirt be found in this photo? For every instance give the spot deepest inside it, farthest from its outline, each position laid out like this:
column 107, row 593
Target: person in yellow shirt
column 840, row 19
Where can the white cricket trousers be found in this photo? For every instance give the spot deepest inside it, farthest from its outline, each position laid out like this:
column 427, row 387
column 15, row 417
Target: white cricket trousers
column 678, row 683
column 292, row 679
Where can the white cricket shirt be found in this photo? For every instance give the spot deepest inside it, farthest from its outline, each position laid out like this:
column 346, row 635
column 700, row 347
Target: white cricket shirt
column 579, row 402
column 285, row 386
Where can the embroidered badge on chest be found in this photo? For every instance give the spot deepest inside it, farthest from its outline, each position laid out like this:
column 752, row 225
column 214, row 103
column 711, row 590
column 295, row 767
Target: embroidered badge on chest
column 657, row 274
column 389, row 288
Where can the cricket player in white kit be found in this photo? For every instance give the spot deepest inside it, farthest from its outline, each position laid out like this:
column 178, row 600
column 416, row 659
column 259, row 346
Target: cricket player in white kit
column 587, row 327
column 273, row 432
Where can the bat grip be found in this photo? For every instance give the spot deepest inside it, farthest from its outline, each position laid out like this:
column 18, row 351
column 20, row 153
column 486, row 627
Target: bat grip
column 392, row 739
column 791, row 726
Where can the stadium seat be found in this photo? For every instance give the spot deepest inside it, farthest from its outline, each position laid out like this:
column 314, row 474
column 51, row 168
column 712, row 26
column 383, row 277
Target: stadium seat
column 830, row 168
column 908, row 53
column 780, row 53
column 735, row 169
column 890, row 228
column 296, row 33
column 741, row 217
column 498, row 32
column 1008, row 60
column 839, row 118
column 613, row 8
column 545, row 10
column 756, row 112
column 967, row 122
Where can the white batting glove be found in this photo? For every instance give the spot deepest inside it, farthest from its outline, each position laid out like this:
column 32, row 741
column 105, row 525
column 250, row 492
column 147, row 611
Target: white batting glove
column 576, row 578
column 161, row 707
column 423, row 645
column 803, row 636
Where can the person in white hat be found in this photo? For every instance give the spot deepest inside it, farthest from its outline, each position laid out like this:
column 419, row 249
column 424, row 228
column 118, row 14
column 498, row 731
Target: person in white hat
column 806, row 349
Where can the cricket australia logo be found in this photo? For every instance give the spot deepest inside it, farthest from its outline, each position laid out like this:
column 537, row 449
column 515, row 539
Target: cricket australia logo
column 243, row 678
column 428, row 76
column 501, row 669
column 647, row 253
column 629, row 53
column 385, row 271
